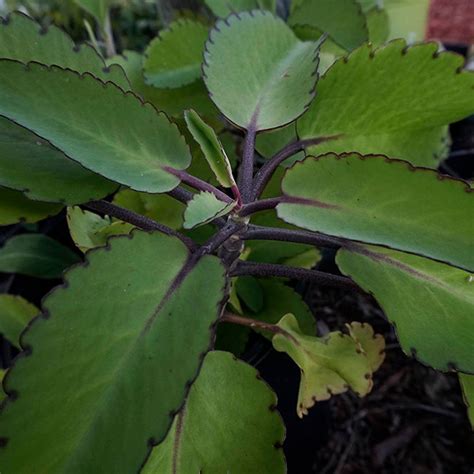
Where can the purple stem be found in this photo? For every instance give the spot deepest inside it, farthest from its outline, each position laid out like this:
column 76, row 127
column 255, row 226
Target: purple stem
column 199, row 184
column 297, row 236
column 145, row 223
column 267, row 170
column 262, row 205
column 247, row 164
column 275, row 270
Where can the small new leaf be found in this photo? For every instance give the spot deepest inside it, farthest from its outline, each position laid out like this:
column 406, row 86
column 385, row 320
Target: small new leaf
column 204, row 208
column 329, row 365
column 211, row 147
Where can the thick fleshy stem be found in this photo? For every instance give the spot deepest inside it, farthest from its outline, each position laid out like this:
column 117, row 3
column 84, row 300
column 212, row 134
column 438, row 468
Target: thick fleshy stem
column 267, row 170
column 247, row 165
column 145, row 223
column 199, row 184
column 257, row 206
column 275, row 270
column 255, row 232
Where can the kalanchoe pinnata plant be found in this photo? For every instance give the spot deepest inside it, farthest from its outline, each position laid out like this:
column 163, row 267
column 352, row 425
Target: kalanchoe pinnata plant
column 185, row 216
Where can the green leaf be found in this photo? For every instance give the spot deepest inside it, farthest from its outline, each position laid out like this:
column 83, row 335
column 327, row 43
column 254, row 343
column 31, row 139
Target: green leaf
column 88, row 230
column 306, row 259
column 116, row 136
column 212, row 148
column 223, row 8
column 376, row 101
column 280, row 299
column 120, row 384
column 30, row 164
column 22, row 39
column 15, row 208
column 372, row 344
column 467, row 384
column 204, row 208
column 378, row 24
column 430, row 303
column 270, row 143
column 408, row 19
column 35, row 255
column 278, row 77
column 329, row 365
column 342, row 20
column 406, row 208
column 15, row 314
column 249, row 290
column 232, row 429
column 173, row 59
column 159, row 207
column 172, row 101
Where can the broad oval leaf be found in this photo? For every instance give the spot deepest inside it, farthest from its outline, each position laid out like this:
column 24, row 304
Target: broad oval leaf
column 431, row 304
column 259, row 88
column 15, row 208
column 223, row 8
column 15, row 314
column 173, row 59
column 115, row 134
column 35, row 255
column 30, row 164
column 203, row 208
column 381, row 201
column 228, row 424
column 329, row 365
column 109, row 394
column 376, row 101
column 342, row 20
column 22, row 39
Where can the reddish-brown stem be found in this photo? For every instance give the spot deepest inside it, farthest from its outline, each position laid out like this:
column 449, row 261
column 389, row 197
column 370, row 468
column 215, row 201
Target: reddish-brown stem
column 255, row 324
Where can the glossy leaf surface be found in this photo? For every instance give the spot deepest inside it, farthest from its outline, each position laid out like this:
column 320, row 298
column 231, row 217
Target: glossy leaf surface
column 277, row 78
column 431, row 304
column 376, row 100
column 67, row 416
column 399, row 206
column 228, row 424
column 173, row 59
column 115, row 135
column 35, row 255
